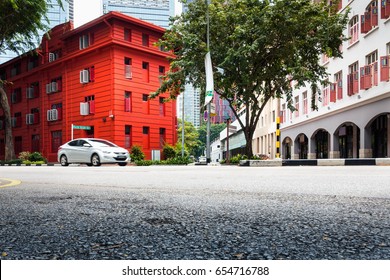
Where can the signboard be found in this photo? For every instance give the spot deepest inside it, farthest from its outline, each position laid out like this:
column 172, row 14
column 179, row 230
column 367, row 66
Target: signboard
column 85, row 127
column 212, row 110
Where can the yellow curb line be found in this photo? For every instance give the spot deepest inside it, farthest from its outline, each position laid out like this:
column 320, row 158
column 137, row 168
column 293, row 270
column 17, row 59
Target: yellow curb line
column 11, row 183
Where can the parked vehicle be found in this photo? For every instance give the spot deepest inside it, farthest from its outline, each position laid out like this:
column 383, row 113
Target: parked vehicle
column 202, row 160
column 92, row 151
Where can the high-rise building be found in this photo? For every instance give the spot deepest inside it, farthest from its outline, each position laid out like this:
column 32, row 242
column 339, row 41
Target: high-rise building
column 157, row 12
column 191, row 97
column 56, row 16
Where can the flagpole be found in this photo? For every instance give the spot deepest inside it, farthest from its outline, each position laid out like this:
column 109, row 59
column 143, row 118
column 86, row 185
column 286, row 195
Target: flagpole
column 208, row 104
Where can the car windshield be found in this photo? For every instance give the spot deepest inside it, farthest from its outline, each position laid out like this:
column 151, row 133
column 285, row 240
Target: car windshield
column 102, row 143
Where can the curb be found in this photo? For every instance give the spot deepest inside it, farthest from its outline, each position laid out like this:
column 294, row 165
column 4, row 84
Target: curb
column 316, row 162
column 20, row 164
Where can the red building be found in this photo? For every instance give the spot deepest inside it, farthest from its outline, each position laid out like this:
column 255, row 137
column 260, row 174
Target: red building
column 97, row 78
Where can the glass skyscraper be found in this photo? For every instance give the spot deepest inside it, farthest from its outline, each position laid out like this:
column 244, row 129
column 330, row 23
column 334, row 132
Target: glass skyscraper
column 157, row 12
column 56, row 16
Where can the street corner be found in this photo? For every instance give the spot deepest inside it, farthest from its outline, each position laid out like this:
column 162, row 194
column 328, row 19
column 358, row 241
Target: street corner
column 5, row 182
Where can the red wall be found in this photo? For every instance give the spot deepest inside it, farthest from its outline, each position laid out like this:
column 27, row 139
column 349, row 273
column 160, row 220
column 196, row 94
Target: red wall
column 106, row 54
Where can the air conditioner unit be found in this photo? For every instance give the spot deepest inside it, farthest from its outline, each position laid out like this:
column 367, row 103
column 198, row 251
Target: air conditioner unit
column 52, row 115
column 52, row 57
column 84, row 108
column 30, row 92
column 29, row 118
column 13, row 121
column 84, row 76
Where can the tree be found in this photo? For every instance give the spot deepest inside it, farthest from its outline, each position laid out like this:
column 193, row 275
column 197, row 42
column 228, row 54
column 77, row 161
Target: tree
column 215, row 130
column 191, row 137
column 20, row 21
column 258, row 47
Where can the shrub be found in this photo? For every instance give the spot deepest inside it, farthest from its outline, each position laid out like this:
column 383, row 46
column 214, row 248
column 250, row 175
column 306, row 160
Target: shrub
column 168, row 152
column 24, row 155
column 136, row 154
column 36, row 157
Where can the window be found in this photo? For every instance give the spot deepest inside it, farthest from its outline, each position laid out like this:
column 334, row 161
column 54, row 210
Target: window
column 87, row 75
column 304, row 97
column 55, row 113
column 3, row 75
column 127, row 34
column 88, row 106
column 127, row 101
column 86, row 40
column 15, row 70
column 128, row 141
column 56, row 140
column 145, row 71
column 33, row 117
column 162, row 137
column 354, row 30
column 145, row 137
column 369, row 72
column 16, row 120
column 283, row 114
column 33, row 62
column 353, row 79
column 16, row 96
column 54, row 85
column 145, row 40
column 18, row 144
column 32, row 91
column 384, row 65
column 128, row 70
column 296, row 106
column 54, row 55
column 145, row 103
column 161, row 73
column 385, row 9
column 35, row 143
column 162, row 106
column 338, row 78
column 370, row 17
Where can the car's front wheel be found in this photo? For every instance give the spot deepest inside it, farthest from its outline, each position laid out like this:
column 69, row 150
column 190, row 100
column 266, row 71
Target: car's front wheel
column 64, row 160
column 95, row 160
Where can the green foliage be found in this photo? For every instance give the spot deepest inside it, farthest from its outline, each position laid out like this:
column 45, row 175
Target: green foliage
column 168, row 151
column 136, row 153
column 261, row 46
column 37, row 157
column 191, row 137
column 31, row 158
column 178, row 160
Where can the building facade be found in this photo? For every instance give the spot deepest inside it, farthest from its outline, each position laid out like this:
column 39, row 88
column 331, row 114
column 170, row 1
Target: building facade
column 56, row 16
column 353, row 116
column 157, row 12
column 93, row 81
column 191, row 105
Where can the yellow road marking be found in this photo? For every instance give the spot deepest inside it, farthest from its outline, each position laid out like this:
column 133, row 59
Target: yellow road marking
column 11, row 182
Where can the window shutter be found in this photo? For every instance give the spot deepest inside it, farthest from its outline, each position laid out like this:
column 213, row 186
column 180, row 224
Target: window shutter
column 384, row 68
column 91, row 106
column 92, row 73
column 333, row 92
column 127, row 104
column 374, row 16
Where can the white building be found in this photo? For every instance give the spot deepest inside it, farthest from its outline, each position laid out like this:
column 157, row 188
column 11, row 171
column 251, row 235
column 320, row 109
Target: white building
column 353, row 114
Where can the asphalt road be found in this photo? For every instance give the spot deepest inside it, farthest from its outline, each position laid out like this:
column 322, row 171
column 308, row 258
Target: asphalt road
column 195, row 212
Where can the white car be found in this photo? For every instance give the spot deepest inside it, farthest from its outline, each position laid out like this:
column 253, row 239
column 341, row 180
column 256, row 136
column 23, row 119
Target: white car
column 92, row 151
column 202, row 160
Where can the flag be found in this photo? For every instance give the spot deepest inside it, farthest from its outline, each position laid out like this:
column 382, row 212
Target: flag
column 209, row 79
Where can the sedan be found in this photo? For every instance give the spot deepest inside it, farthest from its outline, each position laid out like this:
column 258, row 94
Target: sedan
column 92, row 151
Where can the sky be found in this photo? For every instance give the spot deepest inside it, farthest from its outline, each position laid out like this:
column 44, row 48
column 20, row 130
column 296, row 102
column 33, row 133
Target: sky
column 87, row 10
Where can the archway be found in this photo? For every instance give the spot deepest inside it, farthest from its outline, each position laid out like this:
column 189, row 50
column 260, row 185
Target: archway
column 286, row 148
column 379, row 130
column 347, row 140
column 301, row 146
column 321, row 140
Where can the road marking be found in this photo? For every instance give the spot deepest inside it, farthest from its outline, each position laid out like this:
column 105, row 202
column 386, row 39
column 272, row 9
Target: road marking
column 10, row 184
